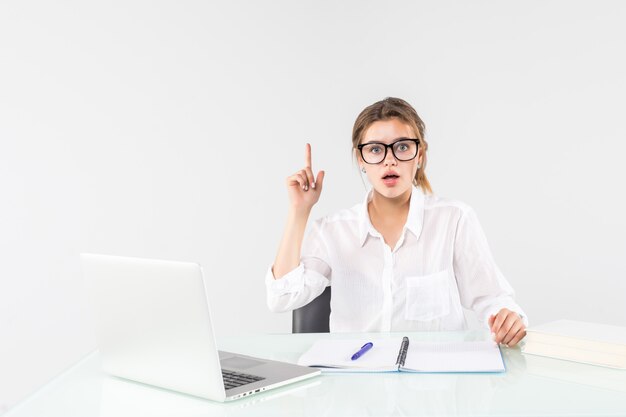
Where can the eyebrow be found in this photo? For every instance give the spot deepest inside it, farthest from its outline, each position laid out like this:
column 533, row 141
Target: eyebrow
column 380, row 141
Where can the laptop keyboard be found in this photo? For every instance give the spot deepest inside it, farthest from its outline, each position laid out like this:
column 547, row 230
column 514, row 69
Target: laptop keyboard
column 237, row 379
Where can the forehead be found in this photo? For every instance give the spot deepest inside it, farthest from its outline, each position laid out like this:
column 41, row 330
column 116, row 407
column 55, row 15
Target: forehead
column 387, row 130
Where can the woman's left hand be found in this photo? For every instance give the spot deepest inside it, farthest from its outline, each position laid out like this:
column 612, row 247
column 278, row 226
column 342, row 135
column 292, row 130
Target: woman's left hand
column 507, row 327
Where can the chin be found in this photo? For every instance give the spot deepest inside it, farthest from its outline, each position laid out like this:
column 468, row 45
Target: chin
column 392, row 192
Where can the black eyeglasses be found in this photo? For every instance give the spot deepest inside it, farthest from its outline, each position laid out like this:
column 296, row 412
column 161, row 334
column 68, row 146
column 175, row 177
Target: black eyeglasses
column 403, row 149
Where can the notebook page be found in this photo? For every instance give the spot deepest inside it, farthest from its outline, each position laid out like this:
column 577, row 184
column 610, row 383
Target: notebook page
column 482, row 356
column 338, row 352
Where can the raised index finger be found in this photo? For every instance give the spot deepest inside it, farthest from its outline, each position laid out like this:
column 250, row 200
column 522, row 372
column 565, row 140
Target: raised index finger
column 307, row 155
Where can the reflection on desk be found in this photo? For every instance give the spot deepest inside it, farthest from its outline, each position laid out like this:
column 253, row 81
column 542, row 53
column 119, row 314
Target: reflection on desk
column 126, row 398
column 85, row 391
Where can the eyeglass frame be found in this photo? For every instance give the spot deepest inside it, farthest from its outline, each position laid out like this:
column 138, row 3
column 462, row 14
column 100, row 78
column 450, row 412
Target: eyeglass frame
column 362, row 145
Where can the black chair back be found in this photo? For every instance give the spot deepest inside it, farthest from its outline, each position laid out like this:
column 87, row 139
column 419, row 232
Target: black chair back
column 313, row 317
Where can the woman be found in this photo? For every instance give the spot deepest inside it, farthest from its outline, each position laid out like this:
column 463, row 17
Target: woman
column 404, row 259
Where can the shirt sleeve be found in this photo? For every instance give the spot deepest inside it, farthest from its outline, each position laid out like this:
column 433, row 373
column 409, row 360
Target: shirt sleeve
column 482, row 286
column 307, row 281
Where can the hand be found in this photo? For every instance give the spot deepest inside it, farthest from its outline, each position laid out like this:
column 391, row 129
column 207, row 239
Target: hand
column 304, row 190
column 508, row 327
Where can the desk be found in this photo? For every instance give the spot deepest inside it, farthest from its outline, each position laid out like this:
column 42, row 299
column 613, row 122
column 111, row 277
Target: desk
column 532, row 386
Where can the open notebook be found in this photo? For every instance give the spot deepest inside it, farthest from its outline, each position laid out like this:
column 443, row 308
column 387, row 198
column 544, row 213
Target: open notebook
column 401, row 355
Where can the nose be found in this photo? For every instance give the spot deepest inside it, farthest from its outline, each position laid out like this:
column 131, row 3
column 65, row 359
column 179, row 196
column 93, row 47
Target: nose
column 390, row 158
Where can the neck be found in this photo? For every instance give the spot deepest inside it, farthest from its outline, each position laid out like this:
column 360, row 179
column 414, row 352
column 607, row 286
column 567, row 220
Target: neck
column 390, row 208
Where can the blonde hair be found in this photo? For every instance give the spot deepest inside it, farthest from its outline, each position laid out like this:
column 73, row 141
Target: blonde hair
column 390, row 108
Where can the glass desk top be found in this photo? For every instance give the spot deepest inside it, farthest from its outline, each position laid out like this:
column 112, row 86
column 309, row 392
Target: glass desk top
column 531, row 386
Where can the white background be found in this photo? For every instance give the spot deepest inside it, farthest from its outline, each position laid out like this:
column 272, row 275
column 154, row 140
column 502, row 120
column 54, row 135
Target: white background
column 166, row 130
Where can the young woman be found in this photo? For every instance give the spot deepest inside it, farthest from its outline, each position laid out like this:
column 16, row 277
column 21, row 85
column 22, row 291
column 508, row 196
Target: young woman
column 404, row 259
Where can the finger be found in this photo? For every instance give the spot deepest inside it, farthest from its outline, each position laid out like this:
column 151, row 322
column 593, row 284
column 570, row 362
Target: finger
column 310, row 177
column 508, row 337
column 511, row 318
column 515, row 327
column 303, row 181
column 307, row 156
column 518, row 336
column 296, row 179
column 305, row 176
column 319, row 181
column 497, row 323
column 491, row 317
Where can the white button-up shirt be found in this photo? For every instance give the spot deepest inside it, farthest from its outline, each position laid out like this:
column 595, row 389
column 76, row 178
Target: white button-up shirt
column 441, row 263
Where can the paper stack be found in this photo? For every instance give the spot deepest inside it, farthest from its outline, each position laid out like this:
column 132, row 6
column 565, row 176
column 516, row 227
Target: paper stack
column 596, row 344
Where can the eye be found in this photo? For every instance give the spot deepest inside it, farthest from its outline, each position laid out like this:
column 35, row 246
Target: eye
column 375, row 149
column 403, row 146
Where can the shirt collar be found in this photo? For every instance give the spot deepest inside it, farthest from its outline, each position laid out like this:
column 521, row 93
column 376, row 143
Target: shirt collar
column 414, row 220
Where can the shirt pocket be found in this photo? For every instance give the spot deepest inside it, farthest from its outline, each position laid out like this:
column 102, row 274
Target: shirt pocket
column 427, row 296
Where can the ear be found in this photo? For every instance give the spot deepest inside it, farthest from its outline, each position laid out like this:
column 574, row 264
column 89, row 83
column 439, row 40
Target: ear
column 420, row 157
column 357, row 156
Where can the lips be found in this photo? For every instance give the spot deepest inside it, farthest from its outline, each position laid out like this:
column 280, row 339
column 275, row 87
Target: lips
column 390, row 174
column 390, row 178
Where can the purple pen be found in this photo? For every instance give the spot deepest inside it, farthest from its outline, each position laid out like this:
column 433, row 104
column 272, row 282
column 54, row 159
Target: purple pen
column 361, row 351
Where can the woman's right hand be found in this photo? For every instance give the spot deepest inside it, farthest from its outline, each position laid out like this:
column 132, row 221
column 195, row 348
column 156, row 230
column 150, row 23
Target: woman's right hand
column 303, row 188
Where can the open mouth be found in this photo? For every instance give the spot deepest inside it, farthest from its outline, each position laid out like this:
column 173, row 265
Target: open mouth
column 390, row 179
column 389, row 175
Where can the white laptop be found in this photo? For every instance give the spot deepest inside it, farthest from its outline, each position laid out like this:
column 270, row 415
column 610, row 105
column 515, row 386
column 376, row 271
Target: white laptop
column 154, row 326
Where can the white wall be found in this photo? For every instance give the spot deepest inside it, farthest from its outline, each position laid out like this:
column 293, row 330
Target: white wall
column 166, row 129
